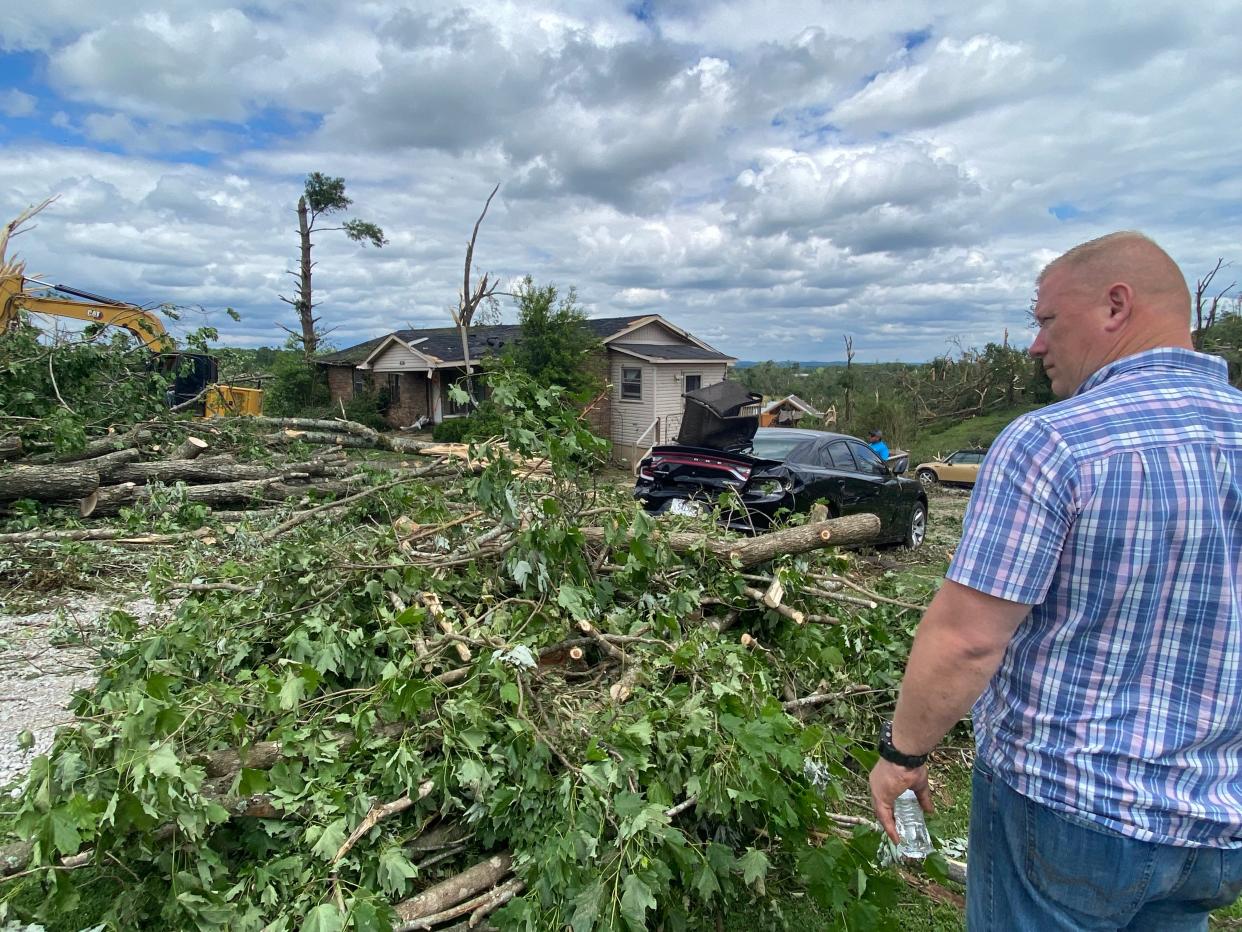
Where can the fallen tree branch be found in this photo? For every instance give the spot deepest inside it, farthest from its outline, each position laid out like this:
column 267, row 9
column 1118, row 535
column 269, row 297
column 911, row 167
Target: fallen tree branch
column 746, row 552
column 115, row 535
column 381, row 812
column 448, row 893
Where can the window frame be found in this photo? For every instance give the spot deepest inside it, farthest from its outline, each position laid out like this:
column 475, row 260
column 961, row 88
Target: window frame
column 685, row 381
column 624, row 385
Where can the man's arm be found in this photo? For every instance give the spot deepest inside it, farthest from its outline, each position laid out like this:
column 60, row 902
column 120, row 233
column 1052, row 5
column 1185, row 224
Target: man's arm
column 958, row 647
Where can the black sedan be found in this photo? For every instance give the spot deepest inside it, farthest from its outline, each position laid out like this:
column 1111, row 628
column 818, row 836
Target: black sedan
column 784, row 469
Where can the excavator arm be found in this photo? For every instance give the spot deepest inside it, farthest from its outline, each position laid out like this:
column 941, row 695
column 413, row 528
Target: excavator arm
column 196, row 373
column 144, row 325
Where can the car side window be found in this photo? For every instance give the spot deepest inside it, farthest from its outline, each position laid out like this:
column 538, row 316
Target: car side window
column 953, row 459
column 974, row 459
column 838, row 456
column 869, row 462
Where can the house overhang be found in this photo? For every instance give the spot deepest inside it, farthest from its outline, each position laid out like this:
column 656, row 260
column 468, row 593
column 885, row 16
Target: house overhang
column 721, row 359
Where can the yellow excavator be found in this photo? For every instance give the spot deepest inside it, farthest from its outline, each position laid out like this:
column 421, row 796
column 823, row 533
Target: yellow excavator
column 196, row 374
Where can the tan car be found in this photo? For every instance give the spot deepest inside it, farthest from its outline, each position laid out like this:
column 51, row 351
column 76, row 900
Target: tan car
column 960, row 468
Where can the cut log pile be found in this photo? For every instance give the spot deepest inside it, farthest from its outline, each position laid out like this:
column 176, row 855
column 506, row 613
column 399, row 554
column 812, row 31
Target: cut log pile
column 122, row 470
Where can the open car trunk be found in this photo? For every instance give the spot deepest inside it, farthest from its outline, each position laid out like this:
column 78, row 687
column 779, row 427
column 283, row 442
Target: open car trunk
column 714, row 419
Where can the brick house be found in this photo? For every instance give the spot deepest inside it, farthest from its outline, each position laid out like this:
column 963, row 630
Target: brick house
column 646, row 361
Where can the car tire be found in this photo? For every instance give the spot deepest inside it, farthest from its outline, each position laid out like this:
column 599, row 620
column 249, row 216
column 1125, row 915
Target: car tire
column 928, row 478
column 916, row 527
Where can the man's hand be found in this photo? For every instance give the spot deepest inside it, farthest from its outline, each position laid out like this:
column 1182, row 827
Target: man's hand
column 888, row 781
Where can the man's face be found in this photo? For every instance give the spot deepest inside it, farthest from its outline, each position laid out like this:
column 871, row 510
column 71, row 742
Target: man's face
column 1066, row 342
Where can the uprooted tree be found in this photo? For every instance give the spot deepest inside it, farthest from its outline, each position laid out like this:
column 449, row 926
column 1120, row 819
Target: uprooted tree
column 508, row 698
column 323, row 196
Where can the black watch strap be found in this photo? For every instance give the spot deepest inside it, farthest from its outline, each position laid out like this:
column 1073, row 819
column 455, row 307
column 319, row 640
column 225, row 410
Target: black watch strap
column 894, row 756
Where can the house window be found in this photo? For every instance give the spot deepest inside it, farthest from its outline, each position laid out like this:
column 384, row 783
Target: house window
column 631, row 384
column 694, row 383
column 394, row 388
column 360, row 383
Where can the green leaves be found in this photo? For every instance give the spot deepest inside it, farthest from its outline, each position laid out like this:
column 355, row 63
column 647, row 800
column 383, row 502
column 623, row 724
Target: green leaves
column 324, row 918
column 329, row 840
column 395, row 870
column 576, row 600
column 636, row 900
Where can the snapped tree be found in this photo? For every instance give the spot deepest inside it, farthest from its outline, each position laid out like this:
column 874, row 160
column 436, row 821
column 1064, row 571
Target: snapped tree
column 469, row 299
column 322, row 197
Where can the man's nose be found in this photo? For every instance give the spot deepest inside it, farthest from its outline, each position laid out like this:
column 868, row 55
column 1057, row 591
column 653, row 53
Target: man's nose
column 1038, row 348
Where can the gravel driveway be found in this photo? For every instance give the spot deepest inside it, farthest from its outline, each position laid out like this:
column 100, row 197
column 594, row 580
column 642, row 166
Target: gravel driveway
column 44, row 657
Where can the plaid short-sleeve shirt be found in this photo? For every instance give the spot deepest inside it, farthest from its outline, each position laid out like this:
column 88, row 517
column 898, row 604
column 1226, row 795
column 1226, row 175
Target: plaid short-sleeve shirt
column 1117, row 514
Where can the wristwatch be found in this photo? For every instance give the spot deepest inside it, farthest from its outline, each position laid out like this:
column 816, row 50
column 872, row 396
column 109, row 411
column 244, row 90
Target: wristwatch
column 894, row 756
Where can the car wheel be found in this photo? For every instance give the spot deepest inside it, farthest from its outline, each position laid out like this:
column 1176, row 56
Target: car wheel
column 916, row 529
column 928, row 477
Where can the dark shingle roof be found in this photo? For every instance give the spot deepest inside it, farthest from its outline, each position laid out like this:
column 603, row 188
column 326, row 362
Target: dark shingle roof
column 671, row 351
column 445, row 342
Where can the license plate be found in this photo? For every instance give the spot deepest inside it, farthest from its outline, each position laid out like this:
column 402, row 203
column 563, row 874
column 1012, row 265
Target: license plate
column 679, row 506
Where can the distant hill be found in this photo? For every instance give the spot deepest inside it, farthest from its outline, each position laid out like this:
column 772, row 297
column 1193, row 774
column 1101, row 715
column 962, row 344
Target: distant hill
column 790, row 363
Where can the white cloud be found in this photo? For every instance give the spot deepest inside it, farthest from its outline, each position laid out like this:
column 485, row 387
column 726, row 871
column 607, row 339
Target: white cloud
column 771, row 174
column 15, row 103
column 957, row 79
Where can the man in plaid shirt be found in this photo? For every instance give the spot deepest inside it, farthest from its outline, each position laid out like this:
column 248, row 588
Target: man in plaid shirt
column 1095, row 602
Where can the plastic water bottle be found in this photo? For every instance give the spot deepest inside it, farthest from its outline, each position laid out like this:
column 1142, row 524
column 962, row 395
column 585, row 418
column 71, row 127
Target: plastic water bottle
column 915, row 842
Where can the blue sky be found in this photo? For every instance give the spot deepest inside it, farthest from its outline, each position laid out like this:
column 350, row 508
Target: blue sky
column 773, row 176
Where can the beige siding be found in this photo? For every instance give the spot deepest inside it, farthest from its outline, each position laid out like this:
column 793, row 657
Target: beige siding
column 662, row 387
column 651, row 333
column 670, row 383
column 631, row 418
column 397, row 358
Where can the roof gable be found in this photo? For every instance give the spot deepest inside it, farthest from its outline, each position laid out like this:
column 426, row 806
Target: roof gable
column 443, row 344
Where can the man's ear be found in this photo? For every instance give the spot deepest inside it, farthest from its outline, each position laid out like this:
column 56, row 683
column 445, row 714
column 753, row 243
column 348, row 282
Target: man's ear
column 1120, row 306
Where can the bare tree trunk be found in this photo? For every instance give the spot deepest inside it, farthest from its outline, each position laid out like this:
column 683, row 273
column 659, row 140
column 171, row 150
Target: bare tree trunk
column 305, row 304
column 849, row 380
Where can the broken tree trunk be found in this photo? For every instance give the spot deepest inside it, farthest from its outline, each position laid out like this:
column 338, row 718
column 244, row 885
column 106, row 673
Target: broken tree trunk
column 836, row 532
column 47, row 483
column 10, row 448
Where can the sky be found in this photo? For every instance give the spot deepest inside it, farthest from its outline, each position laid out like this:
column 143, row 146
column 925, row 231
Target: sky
column 771, row 176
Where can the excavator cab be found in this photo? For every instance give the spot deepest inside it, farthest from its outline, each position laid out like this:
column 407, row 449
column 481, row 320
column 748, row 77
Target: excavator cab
column 196, row 376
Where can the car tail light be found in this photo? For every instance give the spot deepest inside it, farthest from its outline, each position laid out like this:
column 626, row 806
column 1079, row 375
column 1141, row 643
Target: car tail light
column 738, row 472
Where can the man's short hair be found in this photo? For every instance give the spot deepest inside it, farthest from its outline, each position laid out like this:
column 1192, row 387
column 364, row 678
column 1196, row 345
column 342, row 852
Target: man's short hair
column 1128, row 251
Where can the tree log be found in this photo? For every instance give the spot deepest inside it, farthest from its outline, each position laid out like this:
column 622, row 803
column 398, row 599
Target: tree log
column 10, row 448
column 211, row 469
column 108, row 444
column 47, row 483
column 288, row 437
column 189, row 449
column 751, row 551
column 457, row 889
column 316, row 424
column 114, row 535
column 113, row 498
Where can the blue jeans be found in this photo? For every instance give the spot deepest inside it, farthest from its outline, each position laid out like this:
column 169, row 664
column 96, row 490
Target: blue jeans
column 1033, row 869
